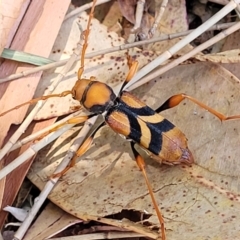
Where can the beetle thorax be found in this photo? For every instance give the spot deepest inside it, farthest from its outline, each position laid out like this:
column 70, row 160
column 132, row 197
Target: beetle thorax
column 95, row 96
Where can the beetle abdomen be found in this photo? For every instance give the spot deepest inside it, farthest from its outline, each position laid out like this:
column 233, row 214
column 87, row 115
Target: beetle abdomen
column 135, row 120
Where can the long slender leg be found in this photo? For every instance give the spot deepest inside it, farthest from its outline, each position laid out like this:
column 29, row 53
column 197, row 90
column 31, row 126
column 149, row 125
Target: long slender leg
column 176, row 99
column 84, row 147
column 73, row 120
column 133, row 67
column 141, row 165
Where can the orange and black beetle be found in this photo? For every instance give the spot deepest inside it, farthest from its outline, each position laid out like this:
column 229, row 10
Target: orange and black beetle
column 134, row 120
column 131, row 118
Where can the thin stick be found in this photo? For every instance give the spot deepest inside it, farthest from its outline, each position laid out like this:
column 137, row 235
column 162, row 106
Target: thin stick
column 32, row 150
column 221, row 2
column 159, row 10
column 110, row 50
column 37, row 134
column 138, row 15
column 102, row 235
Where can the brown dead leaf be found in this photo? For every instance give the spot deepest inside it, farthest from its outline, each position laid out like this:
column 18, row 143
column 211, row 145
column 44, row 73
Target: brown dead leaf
column 194, row 200
column 232, row 42
column 51, row 221
column 9, row 13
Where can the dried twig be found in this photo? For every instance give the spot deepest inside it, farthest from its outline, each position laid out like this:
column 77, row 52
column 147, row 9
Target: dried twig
column 159, row 10
column 30, row 152
column 112, row 49
column 38, row 134
column 102, row 235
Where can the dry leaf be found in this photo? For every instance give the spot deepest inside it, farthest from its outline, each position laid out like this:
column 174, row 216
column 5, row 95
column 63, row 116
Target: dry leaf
column 232, row 42
column 193, row 200
column 9, row 13
column 51, row 221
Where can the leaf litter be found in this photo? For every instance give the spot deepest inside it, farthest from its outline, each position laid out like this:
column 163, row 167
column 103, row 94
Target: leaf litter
column 194, row 200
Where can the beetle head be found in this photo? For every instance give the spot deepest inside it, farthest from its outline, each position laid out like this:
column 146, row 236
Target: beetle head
column 95, row 96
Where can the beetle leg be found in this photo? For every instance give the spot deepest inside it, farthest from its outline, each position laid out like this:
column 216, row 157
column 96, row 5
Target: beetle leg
column 176, row 99
column 133, row 65
column 83, row 148
column 141, row 165
column 73, row 120
column 84, row 37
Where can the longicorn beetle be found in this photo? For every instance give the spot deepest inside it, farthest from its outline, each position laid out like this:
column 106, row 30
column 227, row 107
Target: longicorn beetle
column 130, row 117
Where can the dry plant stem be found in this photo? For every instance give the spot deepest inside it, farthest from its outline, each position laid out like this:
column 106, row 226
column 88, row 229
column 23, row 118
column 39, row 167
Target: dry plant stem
column 183, row 58
column 40, row 104
column 32, row 137
column 138, row 15
column 158, row 15
column 51, row 183
column 152, row 40
column 182, row 43
column 102, row 235
column 110, row 50
column 33, row 150
column 83, row 8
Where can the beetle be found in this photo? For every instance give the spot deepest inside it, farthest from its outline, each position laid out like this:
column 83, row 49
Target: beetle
column 128, row 116
column 138, row 123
